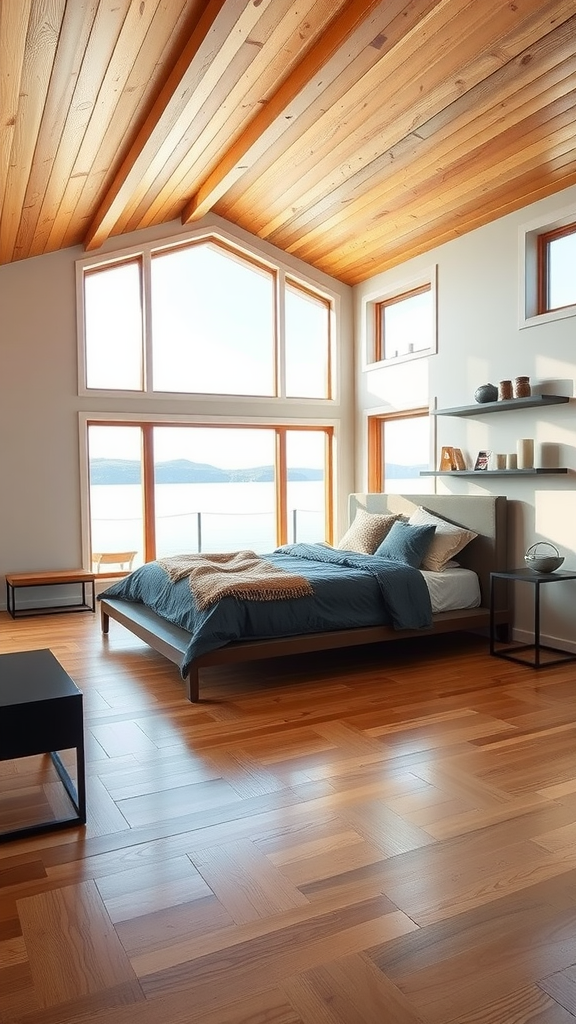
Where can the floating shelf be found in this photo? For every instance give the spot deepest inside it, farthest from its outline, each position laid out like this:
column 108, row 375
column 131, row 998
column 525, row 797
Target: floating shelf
column 490, row 472
column 479, row 408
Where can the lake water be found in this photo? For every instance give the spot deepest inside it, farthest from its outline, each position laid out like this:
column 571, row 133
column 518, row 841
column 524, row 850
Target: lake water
column 205, row 517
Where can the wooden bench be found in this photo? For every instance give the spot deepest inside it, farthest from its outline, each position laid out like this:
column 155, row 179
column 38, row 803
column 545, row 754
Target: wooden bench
column 15, row 580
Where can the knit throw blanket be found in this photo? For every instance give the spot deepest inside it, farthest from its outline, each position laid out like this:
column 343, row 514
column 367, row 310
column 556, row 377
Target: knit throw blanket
column 240, row 574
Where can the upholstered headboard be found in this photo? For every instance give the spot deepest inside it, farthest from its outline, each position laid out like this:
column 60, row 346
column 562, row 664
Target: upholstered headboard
column 485, row 515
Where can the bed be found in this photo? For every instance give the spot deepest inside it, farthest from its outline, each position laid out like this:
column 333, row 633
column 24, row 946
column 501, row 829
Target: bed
column 486, row 516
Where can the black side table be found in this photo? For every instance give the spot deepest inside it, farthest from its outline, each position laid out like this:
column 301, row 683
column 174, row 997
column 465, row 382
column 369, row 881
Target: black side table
column 515, row 653
column 41, row 713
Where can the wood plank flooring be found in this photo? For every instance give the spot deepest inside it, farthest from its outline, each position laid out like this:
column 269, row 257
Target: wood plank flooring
column 384, row 836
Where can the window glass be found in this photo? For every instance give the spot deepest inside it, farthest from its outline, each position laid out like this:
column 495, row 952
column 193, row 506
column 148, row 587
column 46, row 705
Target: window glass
column 406, row 453
column 214, row 489
column 116, row 496
column 399, row 449
column 306, row 485
column 562, row 271
column 113, row 327
column 307, row 320
column 213, row 323
column 203, row 318
column 406, row 324
column 210, row 489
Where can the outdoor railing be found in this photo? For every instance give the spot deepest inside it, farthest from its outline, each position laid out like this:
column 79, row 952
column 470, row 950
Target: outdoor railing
column 207, row 531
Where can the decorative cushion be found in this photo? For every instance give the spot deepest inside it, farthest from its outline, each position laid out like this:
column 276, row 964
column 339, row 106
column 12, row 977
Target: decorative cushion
column 366, row 532
column 448, row 539
column 405, row 543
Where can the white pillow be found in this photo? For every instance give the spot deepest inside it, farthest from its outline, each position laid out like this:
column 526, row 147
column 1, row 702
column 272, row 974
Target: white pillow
column 366, row 532
column 447, row 541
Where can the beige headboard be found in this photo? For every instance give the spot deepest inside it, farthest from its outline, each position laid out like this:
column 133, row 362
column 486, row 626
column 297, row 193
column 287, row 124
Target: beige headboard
column 485, row 515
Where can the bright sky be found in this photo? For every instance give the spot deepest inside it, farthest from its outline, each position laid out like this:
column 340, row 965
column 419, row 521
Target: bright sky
column 227, row 449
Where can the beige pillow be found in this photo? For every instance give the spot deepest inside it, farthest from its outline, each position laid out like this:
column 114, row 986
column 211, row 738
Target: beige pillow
column 447, row 541
column 366, row 532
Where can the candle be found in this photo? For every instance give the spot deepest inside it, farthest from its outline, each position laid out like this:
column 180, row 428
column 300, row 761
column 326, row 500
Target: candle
column 525, row 452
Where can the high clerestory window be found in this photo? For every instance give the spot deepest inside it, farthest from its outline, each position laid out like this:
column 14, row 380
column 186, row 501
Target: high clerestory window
column 547, row 258
column 202, row 318
column 401, row 321
column 557, row 269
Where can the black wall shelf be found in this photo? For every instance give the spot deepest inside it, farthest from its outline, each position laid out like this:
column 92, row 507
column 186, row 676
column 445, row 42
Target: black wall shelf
column 479, row 408
column 491, row 472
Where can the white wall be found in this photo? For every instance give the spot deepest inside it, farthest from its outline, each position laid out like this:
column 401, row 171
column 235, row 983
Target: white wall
column 480, row 341
column 40, row 500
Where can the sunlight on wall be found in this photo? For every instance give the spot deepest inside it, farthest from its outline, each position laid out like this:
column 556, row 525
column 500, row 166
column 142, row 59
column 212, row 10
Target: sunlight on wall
column 400, row 387
column 479, row 370
column 555, row 513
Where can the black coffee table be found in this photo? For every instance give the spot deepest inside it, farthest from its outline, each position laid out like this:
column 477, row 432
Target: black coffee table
column 41, row 712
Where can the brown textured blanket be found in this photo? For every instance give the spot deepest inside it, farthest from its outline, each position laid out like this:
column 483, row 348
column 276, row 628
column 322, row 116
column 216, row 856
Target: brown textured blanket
column 240, row 574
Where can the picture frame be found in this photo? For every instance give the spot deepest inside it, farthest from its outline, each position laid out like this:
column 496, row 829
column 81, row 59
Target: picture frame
column 482, row 460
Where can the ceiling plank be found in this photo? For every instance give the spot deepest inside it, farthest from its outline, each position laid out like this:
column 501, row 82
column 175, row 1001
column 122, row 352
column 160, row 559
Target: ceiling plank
column 489, row 167
column 104, row 32
column 273, row 59
column 129, row 41
column 267, row 125
column 14, row 15
column 40, row 46
column 224, row 107
column 348, row 134
column 531, row 187
column 344, row 142
column 74, row 34
column 510, row 94
column 220, row 32
column 173, row 21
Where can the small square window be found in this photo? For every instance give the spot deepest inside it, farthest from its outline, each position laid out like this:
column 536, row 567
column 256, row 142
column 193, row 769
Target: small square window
column 401, row 325
column 556, row 262
column 547, row 257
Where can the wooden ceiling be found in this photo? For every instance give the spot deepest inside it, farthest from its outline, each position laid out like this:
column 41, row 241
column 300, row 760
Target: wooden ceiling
column 352, row 134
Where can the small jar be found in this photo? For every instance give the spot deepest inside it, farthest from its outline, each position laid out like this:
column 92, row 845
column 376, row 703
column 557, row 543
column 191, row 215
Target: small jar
column 504, row 390
column 522, row 387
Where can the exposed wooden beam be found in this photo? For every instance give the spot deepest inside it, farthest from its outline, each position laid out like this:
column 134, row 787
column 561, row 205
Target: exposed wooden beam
column 267, row 126
column 212, row 33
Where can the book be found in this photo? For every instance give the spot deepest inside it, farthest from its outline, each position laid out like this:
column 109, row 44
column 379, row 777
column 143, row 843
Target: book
column 447, row 461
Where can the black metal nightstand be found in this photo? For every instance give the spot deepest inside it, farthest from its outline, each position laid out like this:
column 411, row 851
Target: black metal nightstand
column 41, row 713
column 515, row 653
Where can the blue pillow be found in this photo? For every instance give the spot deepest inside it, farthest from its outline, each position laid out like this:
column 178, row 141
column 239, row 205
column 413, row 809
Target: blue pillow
column 405, row 543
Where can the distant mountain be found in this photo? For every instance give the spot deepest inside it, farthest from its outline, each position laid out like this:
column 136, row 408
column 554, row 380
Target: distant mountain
column 394, row 472
column 182, row 471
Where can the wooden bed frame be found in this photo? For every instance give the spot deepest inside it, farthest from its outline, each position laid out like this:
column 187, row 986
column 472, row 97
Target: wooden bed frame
column 486, row 516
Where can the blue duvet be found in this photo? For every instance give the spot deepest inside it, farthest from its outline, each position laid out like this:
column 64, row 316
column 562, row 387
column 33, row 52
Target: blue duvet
column 350, row 591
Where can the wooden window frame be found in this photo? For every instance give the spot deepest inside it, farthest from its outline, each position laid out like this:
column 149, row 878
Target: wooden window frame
column 298, row 286
column 281, row 473
column 376, row 444
column 543, row 263
column 144, row 256
column 379, row 338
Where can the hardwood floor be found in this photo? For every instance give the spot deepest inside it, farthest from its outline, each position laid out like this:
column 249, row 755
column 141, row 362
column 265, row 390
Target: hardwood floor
column 367, row 837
